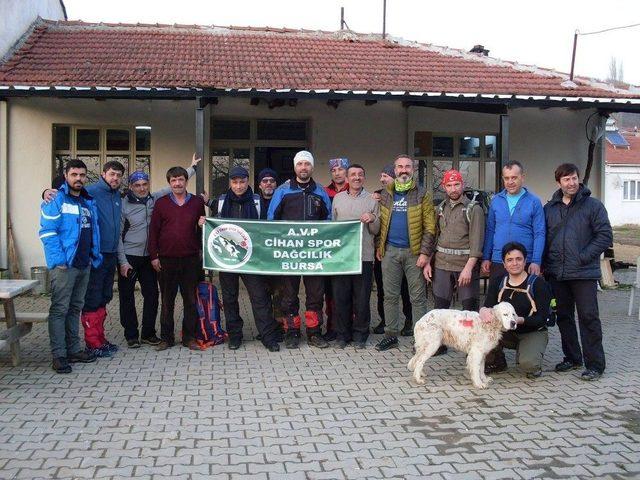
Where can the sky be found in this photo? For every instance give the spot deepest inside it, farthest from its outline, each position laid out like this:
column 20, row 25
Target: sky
column 530, row 32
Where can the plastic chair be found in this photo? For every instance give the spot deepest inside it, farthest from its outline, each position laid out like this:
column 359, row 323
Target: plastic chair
column 634, row 287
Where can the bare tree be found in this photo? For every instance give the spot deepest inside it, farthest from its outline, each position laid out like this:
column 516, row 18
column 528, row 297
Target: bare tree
column 616, row 71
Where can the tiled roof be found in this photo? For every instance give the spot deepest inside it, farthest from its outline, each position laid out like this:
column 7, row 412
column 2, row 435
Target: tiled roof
column 78, row 54
column 624, row 156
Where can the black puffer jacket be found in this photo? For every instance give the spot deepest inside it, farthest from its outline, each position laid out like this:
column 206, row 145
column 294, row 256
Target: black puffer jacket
column 574, row 252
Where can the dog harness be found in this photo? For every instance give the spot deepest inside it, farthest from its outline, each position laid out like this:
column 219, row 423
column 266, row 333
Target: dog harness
column 527, row 291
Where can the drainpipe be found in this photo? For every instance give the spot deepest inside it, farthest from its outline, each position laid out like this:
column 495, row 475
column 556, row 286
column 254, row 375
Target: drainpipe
column 4, row 193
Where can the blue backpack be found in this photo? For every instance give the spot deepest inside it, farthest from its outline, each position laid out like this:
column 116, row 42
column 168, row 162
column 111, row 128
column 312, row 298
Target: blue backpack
column 209, row 330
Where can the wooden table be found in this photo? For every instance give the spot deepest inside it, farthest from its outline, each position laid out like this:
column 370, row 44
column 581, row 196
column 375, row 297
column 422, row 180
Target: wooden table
column 10, row 289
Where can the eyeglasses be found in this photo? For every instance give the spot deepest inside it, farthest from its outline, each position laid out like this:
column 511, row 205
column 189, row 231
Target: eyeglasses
column 267, row 180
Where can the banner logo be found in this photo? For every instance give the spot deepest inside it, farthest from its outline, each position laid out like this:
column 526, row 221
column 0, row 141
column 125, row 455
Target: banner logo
column 229, row 246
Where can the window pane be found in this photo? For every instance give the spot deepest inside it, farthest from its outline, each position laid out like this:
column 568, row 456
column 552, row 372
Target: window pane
column 491, row 146
column 439, row 167
column 241, row 158
column 59, row 162
column 422, row 144
column 88, row 139
column 470, row 147
column 490, row 176
column 230, row 129
column 93, row 167
column 470, row 171
column 625, row 195
column 443, row 146
column 143, row 164
column 118, row 140
column 281, row 130
column 632, row 190
column 143, row 138
column 219, row 169
column 62, row 138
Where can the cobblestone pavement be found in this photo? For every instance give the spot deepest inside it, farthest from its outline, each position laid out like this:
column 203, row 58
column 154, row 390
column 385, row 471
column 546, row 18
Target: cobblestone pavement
column 313, row 414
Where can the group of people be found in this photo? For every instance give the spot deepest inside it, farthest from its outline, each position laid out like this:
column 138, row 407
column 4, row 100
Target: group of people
column 531, row 254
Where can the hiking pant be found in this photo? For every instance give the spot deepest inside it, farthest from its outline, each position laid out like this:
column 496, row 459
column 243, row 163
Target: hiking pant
column 68, row 288
column 580, row 295
column 314, row 289
column 396, row 263
column 148, row 279
column 260, row 305
column 177, row 273
column 352, row 294
column 100, row 288
column 530, row 348
column 404, row 291
column 445, row 283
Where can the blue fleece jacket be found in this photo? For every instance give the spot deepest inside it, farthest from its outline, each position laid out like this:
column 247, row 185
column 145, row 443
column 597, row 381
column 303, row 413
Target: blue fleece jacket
column 60, row 222
column 109, row 205
column 526, row 225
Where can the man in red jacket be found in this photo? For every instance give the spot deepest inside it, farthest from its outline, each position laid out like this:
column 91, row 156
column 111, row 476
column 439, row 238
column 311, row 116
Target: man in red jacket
column 174, row 247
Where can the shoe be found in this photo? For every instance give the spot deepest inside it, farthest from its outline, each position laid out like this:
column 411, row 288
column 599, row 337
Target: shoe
column 386, row 343
column 192, row 345
column 340, row 344
column 317, row 341
column 101, row 352
column 407, row 330
column 292, row 339
column 273, row 347
column 330, row 336
column 234, row 343
column 82, row 356
column 567, row 365
column 590, row 375
column 442, row 349
column 360, row 345
column 495, row 367
column 61, row 365
column 133, row 343
column 111, row 347
column 152, row 340
column 535, row 374
column 378, row 329
column 164, row 345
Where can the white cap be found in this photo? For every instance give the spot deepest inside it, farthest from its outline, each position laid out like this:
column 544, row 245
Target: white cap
column 303, row 156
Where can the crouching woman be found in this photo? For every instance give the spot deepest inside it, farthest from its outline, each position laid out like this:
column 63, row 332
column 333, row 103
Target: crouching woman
column 530, row 296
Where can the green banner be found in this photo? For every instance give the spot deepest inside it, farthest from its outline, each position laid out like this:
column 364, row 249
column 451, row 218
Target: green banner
column 282, row 247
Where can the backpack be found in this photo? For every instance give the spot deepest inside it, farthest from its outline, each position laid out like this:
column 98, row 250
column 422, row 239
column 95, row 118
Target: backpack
column 530, row 292
column 476, row 197
column 209, row 330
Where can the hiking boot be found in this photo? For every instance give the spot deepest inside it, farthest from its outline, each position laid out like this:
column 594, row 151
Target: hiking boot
column 234, row 343
column 191, row 345
column 317, row 341
column 386, row 343
column 361, row 345
column 567, row 365
column 81, row 357
column 164, row 345
column 330, row 336
column 535, row 374
column 273, row 347
column 133, row 343
column 407, row 330
column 110, row 347
column 292, row 339
column 590, row 375
column 152, row 340
column 340, row 344
column 497, row 367
column 61, row 365
column 101, row 352
column 378, row 329
column 442, row 349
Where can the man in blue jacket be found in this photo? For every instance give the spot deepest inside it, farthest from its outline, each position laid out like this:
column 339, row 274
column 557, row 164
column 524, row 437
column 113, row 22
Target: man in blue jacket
column 106, row 192
column 515, row 215
column 71, row 238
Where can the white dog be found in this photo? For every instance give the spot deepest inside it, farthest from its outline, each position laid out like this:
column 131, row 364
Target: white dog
column 474, row 333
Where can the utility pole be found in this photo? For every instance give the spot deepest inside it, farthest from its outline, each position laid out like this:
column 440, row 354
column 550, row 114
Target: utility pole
column 384, row 19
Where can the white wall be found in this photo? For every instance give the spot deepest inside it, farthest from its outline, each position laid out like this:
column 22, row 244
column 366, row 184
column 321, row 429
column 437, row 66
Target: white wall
column 372, row 136
column 621, row 211
column 17, row 15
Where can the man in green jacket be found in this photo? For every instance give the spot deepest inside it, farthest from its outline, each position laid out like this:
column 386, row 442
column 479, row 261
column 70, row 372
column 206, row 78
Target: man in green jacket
column 407, row 233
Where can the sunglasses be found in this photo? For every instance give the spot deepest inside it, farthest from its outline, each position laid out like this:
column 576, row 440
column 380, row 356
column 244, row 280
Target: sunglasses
column 267, row 180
